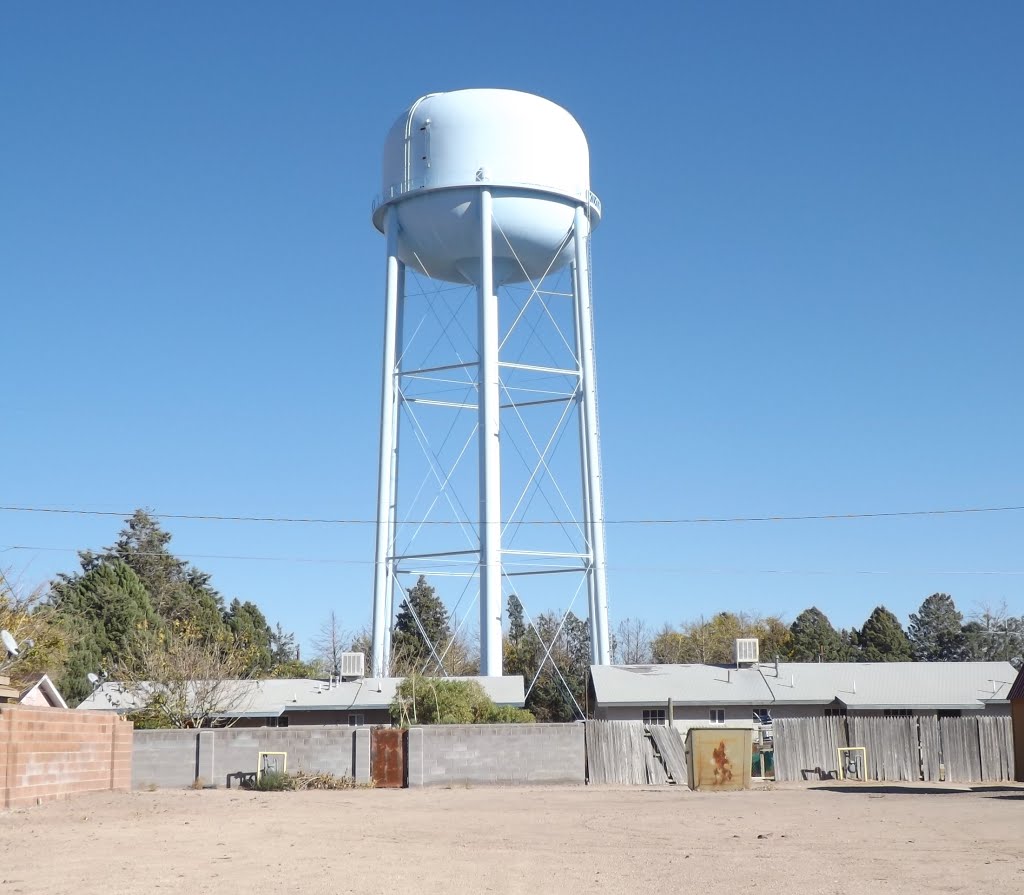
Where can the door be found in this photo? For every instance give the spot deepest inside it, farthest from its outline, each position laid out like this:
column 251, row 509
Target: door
column 387, row 757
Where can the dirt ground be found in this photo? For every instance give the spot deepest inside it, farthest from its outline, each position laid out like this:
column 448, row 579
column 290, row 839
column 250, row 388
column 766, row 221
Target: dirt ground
column 801, row 841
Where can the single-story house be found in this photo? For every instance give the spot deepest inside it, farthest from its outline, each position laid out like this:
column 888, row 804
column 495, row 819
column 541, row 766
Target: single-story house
column 37, row 690
column 41, row 692
column 752, row 694
column 289, row 702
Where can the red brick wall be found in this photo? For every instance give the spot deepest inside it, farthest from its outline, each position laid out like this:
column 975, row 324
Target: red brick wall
column 49, row 753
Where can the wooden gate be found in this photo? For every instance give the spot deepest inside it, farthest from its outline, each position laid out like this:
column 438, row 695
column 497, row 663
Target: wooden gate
column 387, row 757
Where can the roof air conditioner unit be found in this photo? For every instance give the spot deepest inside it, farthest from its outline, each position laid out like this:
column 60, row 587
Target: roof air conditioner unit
column 353, row 665
column 745, row 651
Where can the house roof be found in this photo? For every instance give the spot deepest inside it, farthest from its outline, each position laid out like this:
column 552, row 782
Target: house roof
column 1017, row 690
column 272, row 697
column 860, row 685
column 42, row 683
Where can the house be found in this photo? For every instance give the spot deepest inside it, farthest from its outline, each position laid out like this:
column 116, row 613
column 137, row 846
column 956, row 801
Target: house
column 1017, row 715
column 752, row 694
column 37, row 690
column 41, row 692
column 291, row 702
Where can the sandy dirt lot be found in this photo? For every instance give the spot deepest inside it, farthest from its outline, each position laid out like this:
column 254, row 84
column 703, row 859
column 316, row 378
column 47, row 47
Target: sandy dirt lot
column 791, row 840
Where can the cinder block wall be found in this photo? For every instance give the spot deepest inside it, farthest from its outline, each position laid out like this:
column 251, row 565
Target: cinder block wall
column 496, row 753
column 49, row 753
column 175, row 758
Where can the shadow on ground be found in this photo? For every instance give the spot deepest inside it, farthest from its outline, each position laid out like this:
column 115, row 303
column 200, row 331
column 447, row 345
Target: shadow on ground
column 892, row 789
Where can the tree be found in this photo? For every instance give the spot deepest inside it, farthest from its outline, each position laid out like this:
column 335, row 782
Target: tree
column 936, row 631
column 248, row 625
column 33, row 623
column 632, row 642
column 282, row 646
column 177, row 590
column 105, row 612
column 882, row 639
column 183, row 677
column 669, row 647
column 421, row 633
column 813, row 639
column 992, row 635
column 428, row 700
column 329, row 644
column 553, row 655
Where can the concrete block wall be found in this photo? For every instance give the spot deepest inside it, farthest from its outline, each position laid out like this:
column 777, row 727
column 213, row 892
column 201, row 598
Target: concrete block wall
column 496, row 754
column 51, row 753
column 175, row 758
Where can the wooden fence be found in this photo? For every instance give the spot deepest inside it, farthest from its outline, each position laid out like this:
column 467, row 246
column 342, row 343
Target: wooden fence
column 920, row 747
column 627, row 752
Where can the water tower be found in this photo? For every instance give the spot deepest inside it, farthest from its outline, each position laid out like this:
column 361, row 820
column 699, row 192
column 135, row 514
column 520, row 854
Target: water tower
column 486, row 195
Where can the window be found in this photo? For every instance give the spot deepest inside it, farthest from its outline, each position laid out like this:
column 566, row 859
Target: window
column 717, row 716
column 355, row 720
column 654, row 716
column 896, row 713
column 281, row 721
column 762, row 716
column 835, row 713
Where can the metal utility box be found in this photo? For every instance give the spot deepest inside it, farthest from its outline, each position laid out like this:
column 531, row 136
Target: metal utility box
column 718, row 758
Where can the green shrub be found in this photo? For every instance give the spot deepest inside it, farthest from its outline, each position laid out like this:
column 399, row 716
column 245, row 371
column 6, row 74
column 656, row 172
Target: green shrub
column 426, row 700
column 273, row 781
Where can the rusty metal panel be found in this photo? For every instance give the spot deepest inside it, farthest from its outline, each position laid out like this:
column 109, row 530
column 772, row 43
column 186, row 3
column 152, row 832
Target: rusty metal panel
column 387, row 757
column 719, row 758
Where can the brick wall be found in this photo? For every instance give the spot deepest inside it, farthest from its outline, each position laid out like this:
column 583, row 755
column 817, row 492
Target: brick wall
column 51, row 753
column 496, row 753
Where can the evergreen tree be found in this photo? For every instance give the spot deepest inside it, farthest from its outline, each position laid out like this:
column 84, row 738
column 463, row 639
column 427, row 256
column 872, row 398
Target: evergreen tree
column 177, row 590
column 249, row 626
column 882, row 639
column 936, row 631
column 282, row 646
column 106, row 612
column 422, row 613
column 813, row 639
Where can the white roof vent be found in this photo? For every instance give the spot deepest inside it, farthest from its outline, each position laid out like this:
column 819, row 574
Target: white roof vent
column 745, row 651
column 353, row 665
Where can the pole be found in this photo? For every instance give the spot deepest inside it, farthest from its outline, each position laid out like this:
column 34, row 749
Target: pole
column 585, row 487
column 383, row 572
column 599, row 626
column 489, row 401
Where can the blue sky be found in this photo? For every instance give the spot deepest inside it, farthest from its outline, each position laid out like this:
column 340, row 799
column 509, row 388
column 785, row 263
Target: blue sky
column 808, row 286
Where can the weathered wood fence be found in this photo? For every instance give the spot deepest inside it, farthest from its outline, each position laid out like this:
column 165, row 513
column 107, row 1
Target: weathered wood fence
column 921, row 747
column 626, row 752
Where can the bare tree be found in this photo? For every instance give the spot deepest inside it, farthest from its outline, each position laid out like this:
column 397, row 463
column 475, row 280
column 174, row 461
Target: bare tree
column 632, row 642
column 185, row 677
column 330, row 644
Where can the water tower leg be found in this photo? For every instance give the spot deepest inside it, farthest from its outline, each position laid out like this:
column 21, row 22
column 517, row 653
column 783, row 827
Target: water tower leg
column 383, row 573
column 600, row 646
column 489, row 399
column 392, row 585
column 584, row 474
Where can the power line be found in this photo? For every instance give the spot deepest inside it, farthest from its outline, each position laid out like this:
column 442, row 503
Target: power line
column 695, row 520
column 675, row 570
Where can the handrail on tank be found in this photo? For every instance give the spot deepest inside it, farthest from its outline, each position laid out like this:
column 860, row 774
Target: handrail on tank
column 396, row 190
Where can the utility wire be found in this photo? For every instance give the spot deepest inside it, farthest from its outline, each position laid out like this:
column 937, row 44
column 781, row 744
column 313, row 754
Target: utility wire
column 695, row 520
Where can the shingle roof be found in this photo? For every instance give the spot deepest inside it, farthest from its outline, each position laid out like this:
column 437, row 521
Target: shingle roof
column 883, row 685
column 275, row 696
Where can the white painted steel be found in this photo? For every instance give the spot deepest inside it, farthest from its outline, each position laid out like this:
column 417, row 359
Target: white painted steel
column 529, row 152
column 490, row 451
column 595, row 498
column 383, row 577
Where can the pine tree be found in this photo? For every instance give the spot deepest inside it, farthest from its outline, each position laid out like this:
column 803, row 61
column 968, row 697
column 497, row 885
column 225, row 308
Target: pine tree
column 936, row 631
column 249, row 626
column 882, row 639
column 105, row 611
column 813, row 639
column 422, row 613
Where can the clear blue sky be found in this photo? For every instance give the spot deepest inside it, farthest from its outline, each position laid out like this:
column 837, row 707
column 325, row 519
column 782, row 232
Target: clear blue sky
column 808, row 285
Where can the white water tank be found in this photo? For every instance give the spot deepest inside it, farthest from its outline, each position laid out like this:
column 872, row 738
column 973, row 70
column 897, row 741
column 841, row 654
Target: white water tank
column 529, row 152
